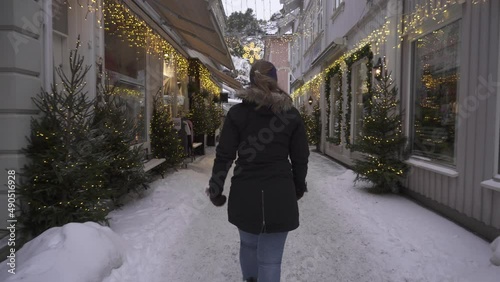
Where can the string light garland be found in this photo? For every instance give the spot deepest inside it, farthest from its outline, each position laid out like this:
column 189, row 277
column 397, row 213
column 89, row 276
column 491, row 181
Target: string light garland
column 412, row 23
column 364, row 52
column 331, row 73
column 122, row 22
column 207, row 83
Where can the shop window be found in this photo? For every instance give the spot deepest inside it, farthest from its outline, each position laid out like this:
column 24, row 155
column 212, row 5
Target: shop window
column 172, row 92
column 337, row 3
column 359, row 88
column 60, row 16
column 435, row 86
column 320, row 16
column 60, row 52
column 126, row 67
column 335, row 93
column 133, row 95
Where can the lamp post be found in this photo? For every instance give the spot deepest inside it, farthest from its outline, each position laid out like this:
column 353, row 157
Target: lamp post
column 379, row 68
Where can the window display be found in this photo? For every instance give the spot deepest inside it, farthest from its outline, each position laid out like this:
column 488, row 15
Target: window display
column 435, row 87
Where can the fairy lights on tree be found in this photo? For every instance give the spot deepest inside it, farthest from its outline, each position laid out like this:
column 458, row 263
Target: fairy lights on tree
column 382, row 144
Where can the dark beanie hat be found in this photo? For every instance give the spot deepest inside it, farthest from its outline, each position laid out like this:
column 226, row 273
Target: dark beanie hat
column 272, row 73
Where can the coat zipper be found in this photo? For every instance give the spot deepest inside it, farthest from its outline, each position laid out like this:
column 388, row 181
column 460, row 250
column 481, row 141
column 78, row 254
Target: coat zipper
column 263, row 215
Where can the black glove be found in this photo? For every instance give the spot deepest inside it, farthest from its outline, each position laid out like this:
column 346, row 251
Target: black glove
column 300, row 190
column 216, row 197
column 218, row 201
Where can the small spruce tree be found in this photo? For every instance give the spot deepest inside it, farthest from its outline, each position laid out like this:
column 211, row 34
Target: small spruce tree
column 310, row 125
column 214, row 117
column 64, row 181
column 198, row 114
column 382, row 143
column 316, row 117
column 165, row 141
column 124, row 168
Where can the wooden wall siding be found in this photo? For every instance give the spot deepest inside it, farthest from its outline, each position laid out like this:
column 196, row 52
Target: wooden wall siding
column 475, row 129
column 491, row 212
column 495, row 212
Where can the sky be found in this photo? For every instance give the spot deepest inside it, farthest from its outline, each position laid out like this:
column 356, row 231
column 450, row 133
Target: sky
column 263, row 9
column 173, row 233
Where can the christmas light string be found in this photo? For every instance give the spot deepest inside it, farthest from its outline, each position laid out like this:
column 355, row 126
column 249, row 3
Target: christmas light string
column 412, row 23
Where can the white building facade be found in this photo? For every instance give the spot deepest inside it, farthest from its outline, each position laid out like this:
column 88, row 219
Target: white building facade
column 142, row 46
column 444, row 58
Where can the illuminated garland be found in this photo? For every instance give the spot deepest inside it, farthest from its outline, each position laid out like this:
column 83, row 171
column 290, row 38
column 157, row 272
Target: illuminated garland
column 123, row 23
column 438, row 12
column 181, row 67
column 319, row 78
column 364, row 52
column 92, row 7
column 331, row 72
column 412, row 23
column 124, row 91
column 207, row 83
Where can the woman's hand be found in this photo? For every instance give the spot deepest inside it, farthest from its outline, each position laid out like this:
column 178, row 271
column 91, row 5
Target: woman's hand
column 218, row 200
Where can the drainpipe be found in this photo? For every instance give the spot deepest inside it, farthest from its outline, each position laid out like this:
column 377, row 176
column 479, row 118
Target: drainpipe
column 47, row 45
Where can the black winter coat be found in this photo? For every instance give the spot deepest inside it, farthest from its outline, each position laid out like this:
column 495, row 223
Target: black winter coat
column 268, row 135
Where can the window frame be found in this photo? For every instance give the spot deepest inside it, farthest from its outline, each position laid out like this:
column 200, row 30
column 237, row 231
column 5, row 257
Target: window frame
column 337, row 4
column 62, row 38
column 334, row 97
column 65, row 7
column 319, row 17
column 494, row 182
column 139, row 82
column 354, row 102
column 412, row 84
column 496, row 175
column 338, row 7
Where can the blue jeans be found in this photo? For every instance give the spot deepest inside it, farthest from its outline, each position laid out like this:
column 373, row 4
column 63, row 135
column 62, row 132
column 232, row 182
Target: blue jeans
column 260, row 255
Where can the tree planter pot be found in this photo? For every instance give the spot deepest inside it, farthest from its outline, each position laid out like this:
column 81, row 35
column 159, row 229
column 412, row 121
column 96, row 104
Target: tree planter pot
column 200, row 138
column 211, row 140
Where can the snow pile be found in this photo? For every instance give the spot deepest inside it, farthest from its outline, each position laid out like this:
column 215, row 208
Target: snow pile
column 270, row 28
column 76, row 252
column 243, row 68
column 495, row 246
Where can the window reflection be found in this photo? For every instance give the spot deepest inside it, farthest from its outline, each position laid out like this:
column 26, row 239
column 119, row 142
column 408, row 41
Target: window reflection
column 436, row 69
column 359, row 88
column 126, row 66
column 335, row 106
column 134, row 98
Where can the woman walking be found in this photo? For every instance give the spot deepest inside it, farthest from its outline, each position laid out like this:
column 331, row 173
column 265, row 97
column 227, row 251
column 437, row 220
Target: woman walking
column 268, row 135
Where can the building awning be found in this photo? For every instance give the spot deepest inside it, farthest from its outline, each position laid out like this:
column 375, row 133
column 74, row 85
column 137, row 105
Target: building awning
column 195, row 22
column 224, row 78
column 138, row 10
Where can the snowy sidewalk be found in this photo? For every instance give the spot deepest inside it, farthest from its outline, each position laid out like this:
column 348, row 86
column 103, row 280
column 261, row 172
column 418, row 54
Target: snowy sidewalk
column 175, row 234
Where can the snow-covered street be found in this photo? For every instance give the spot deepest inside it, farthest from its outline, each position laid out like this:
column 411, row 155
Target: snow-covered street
column 175, row 234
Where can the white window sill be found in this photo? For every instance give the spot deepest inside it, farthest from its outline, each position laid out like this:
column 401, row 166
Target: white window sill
column 491, row 184
column 432, row 167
